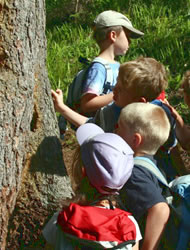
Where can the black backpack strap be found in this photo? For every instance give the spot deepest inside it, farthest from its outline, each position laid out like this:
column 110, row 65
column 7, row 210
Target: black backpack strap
column 109, row 74
column 148, row 164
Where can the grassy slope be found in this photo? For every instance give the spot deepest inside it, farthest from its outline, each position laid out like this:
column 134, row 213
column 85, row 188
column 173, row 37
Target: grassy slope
column 167, row 36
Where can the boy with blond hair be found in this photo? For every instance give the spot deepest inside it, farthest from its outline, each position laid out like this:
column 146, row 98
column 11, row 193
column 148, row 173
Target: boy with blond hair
column 145, row 127
column 147, row 120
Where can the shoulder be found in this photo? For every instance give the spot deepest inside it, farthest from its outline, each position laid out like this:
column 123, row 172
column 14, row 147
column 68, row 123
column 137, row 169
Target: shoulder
column 96, row 70
column 101, row 63
column 142, row 191
column 144, row 176
column 144, row 181
column 98, row 64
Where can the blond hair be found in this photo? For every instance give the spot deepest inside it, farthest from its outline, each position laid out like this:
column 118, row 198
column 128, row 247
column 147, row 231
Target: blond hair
column 146, row 76
column 101, row 34
column 150, row 121
column 185, row 83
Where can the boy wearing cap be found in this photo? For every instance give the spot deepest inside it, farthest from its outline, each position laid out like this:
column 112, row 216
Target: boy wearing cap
column 145, row 127
column 112, row 32
column 91, row 218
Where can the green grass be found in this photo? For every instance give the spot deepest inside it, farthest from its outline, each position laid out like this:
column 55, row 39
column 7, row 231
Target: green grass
column 166, row 25
column 65, row 45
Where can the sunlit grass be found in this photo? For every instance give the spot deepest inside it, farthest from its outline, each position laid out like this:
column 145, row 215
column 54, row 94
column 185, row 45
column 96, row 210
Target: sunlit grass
column 167, row 39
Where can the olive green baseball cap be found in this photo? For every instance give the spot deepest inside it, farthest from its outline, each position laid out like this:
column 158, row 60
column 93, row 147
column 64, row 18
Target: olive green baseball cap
column 110, row 18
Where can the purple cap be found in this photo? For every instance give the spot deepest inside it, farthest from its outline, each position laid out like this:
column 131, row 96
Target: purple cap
column 107, row 158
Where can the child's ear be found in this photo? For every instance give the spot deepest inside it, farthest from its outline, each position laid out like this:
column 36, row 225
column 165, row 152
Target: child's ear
column 137, row 140
column 112, row 36
column 142, row 99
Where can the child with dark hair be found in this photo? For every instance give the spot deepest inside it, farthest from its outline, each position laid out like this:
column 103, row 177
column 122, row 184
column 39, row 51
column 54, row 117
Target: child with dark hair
column 112, row 32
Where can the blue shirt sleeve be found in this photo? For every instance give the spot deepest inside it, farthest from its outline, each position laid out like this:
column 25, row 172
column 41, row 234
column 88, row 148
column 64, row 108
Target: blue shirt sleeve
column 95, row 79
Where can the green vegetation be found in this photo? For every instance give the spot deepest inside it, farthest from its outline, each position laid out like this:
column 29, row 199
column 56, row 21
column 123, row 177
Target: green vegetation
column 166, row 25
column 65, row 45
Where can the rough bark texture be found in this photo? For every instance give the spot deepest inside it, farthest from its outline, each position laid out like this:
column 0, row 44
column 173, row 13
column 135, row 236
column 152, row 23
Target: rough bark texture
column 32, row 172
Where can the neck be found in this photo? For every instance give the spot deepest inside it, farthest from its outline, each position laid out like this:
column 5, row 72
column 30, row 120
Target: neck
column 139, row 154
column 108, row 55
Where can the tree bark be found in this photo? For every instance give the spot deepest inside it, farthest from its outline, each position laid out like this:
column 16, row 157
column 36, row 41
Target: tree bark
column 32, row 173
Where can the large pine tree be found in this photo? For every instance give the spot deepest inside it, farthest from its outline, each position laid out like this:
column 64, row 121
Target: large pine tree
column 32, row 172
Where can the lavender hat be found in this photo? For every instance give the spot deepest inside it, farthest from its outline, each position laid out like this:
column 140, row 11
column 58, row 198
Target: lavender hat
column 107, row 158
column 110, row 18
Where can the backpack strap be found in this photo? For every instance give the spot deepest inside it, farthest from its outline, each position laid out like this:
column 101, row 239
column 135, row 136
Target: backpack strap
column 109, row 74
column 148, row 164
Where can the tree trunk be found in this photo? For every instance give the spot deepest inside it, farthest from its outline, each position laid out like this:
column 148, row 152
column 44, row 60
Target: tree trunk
column 32, row 173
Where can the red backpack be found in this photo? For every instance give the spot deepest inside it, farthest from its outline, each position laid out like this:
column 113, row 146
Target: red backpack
column 97, row 227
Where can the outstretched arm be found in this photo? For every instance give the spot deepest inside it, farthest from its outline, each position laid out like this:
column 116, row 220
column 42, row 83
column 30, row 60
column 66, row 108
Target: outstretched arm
column 91, row 102
column 156, row 221
column 72, row 116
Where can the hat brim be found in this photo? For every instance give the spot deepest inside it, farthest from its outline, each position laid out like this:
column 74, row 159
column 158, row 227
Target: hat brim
column 87, row 131
column 134, row 33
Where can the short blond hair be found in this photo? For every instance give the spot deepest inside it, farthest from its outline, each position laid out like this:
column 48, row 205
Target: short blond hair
column 146, row 76
column 185, row 83
column 150, row 121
